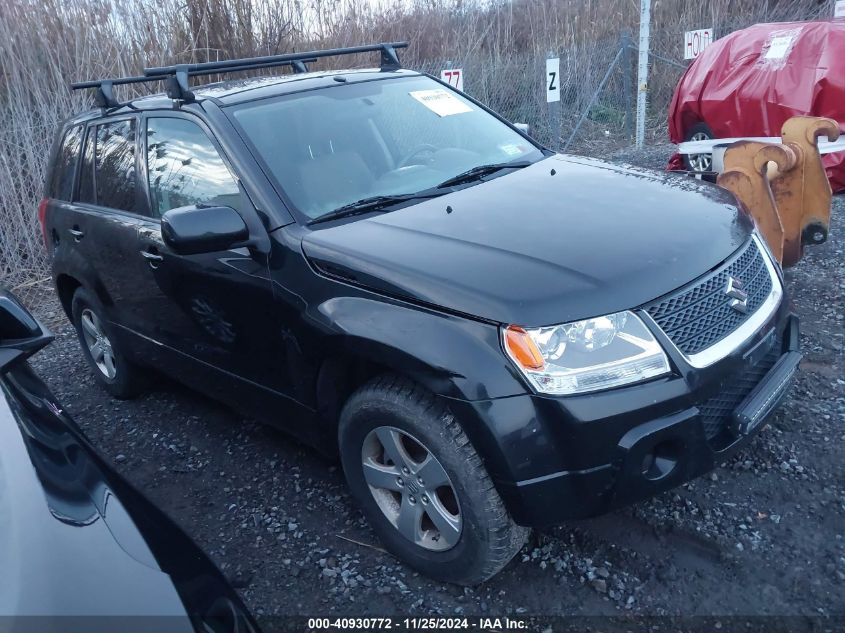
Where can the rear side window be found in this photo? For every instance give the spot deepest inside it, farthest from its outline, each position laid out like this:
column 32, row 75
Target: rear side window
column 184, row 168
column 64, row 167
column 115, row 166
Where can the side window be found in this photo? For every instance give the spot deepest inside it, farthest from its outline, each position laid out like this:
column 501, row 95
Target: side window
column 115, row 156
column 64, row 167
column 86, row 177
column 184, row 168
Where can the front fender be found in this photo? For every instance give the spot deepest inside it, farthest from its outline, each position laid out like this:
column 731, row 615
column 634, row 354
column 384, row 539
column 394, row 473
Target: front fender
column 458, row 359
column 451, row 356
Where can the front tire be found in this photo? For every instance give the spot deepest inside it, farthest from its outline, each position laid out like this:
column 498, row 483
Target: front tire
column 107, row 360
column 421, row 484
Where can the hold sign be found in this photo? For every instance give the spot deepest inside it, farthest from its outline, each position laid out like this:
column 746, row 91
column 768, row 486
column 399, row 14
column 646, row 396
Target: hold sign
column 454, row 77
column 553, row 80
column 839, row 9
column 696, row 41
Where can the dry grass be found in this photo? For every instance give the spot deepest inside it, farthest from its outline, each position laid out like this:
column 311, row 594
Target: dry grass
column 46, row 44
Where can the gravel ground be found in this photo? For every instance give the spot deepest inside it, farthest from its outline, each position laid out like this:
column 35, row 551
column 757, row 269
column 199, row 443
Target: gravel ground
column 763, row 534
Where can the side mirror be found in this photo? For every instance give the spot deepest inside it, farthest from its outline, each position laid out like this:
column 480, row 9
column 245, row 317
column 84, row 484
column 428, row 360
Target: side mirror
column 21, row 335
column 192, row 230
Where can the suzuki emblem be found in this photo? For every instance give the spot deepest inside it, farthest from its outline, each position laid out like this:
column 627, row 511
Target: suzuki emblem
column 738, row 296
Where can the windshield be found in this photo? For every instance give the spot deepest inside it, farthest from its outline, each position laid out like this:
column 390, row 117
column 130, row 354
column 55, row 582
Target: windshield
column 331, row 147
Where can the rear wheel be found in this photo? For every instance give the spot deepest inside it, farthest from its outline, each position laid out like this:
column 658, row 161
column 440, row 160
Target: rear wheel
column 699, row 162
column 421, row 484
column 111, row 369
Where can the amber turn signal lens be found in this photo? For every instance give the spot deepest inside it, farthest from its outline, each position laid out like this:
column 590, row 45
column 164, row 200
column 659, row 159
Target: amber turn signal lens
column 522, row 349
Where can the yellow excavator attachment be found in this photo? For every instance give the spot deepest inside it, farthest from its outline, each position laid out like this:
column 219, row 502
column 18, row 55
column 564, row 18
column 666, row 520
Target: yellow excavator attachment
column 784, row 186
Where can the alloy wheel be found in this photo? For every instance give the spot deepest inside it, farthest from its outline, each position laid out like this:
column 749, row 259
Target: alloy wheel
column 98, row 343
column 411, row 488
column 700, row 162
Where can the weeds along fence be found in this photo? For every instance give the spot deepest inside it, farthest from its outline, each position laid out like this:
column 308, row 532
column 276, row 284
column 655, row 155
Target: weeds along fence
column 501, row 45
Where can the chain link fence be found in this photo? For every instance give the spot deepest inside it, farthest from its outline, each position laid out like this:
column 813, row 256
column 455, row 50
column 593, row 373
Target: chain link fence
column 596, row 114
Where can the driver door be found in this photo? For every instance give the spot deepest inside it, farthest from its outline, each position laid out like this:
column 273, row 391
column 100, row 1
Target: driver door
column 209, row 314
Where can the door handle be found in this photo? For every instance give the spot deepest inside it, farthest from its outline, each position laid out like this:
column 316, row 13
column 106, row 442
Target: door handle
column 76, row 233
column 153, row 259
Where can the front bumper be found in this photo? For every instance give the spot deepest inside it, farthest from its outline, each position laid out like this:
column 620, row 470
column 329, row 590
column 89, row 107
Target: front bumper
column 582, row 456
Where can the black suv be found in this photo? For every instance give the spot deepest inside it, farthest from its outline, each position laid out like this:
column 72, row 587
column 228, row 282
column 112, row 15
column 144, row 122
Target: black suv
column 492, row 336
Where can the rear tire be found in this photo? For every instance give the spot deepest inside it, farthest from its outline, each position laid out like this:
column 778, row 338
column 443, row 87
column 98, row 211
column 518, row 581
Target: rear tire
column 478, row 537
column 107, row 360
column 699, row 162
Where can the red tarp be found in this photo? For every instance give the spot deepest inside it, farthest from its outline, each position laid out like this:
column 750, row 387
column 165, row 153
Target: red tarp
column 750, row 82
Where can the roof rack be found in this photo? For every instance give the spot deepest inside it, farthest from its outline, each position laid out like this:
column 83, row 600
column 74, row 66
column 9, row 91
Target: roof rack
column 177, row 80
column 177, row 76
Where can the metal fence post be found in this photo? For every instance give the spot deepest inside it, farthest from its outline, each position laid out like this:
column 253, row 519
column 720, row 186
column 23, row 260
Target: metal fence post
column 627, row 44
column 554, row 112
column 642, row 70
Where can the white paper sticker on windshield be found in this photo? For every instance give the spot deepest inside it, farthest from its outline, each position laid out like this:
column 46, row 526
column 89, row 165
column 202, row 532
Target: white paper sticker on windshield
column 779, row 47
column 440, row 101
column 511, row 150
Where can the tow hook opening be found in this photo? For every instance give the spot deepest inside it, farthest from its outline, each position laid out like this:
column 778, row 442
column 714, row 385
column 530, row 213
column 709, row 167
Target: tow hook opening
column 661, row 460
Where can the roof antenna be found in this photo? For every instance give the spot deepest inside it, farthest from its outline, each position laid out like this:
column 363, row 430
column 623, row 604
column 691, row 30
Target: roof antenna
column 177, row 85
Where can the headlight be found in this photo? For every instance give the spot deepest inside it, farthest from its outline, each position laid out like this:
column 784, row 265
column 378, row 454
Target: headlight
column 599, row 353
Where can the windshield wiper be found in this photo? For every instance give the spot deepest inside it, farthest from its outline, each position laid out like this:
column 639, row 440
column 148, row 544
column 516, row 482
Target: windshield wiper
column 373, row 203
column 477, row 173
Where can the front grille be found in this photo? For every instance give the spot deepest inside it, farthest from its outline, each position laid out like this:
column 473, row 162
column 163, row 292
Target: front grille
column 716, row 412
column 700, row 315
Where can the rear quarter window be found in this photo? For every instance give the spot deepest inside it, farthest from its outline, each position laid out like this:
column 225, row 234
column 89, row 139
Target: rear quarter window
column 64, row 166
column 108, row 173
column 115, row 173
column 86, row 176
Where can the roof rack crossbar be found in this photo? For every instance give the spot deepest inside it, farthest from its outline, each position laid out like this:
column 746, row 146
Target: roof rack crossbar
column 389, row 60
column 104, row 97
column 80, row 85
column 297, row 64
column 177, row 76
column 177, row 86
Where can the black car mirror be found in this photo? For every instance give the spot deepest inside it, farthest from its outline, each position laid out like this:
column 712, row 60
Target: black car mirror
column 21, row 334
column 192, row 230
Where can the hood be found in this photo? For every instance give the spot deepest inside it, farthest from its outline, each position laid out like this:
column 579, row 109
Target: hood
column 536, row 248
